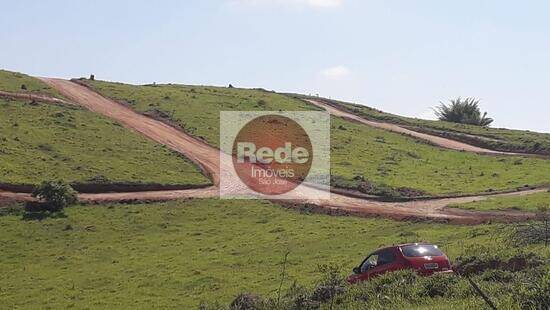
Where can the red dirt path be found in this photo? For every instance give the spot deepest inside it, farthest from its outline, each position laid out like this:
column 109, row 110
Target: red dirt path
column 435, row 140
column 207, row 157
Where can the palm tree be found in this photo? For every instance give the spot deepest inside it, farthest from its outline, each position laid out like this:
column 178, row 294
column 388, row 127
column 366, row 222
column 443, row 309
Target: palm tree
column 463, row 111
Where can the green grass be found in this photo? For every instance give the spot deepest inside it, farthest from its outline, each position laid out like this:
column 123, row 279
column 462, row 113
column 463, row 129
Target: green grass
column 358, row 152
column 12, row 82
column 45, row 141
column 398, row 161
column 529, row 203
column 177, row 254
column 494, row 138
column 197, row 108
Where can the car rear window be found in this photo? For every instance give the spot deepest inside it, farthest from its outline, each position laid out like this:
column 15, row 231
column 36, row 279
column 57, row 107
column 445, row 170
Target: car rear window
column 421, row 250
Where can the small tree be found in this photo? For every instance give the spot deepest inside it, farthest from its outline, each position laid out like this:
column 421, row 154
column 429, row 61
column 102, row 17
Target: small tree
column 463, row 111
column 56, row 194
column 534, row 232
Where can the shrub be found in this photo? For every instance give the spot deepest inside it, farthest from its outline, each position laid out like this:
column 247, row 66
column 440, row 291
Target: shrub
column 56, row 194
column 401, row 283
column 325, row 293
column 496, row 275
column 246, row 301
column 468, row 265
column 535, row 232
column 532, row 292
column 438, row 285
column 331, row 286
column 298, row 297
column 405, row 289
column 463, row 111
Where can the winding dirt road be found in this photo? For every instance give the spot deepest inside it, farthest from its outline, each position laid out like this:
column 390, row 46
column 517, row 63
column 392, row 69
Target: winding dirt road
column 197, row 151
column 435, row 140
column 207, row 157
column 32, row 96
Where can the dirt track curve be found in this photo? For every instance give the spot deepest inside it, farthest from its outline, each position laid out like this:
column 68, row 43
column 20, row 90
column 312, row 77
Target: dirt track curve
column 439, row 141
column 207, row 157
column 199, row 152
column 31, row 96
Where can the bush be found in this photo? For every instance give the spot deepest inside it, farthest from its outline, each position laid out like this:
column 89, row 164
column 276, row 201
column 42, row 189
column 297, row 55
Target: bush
column 438, row 285
column 463, row 111
column 388, row 291
column 326, row 293
column 246, row 301
column 535, row 232
column 298, row 297
column 496, row 275
column 55, row 194
column 406, row 289
column 513, row 286
column 332, row 284
column 533, row 291
column 468, row 265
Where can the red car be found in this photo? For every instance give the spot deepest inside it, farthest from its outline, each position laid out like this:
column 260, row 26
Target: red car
column 424, row 257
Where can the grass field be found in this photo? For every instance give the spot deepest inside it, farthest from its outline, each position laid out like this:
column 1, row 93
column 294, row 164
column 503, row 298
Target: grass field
column 177, row 254
column 196, row 108
column 529, row 203
column 13, row 81
column 359, row 153
column 45, row 141
column 495, row 138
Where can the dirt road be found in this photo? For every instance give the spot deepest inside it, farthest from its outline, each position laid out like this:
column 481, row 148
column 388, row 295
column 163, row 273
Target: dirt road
column 32, row 96
column 439, row 141
column 199, row 152
column 432, row 210
column 208, row 159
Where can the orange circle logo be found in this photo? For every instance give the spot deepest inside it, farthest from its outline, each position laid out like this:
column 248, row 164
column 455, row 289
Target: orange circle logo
column 272, row 154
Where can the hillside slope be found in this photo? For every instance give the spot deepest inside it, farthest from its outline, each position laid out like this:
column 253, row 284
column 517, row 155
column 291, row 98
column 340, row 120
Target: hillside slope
column 183, row 253
column 45, row 142
column 367, row 159
column 16, row 82
column 499, row 139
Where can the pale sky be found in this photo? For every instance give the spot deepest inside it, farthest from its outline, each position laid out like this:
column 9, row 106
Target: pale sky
column 399, row 56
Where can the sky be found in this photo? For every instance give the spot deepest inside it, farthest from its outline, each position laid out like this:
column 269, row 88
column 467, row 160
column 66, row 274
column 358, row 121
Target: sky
column 402, row 57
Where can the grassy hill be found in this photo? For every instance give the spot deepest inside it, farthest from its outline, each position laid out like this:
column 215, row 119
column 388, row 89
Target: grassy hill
column 45, row 141
column 196, row 108
column 180, row 253
column 530, row 203
column 363, row 153
column 371, row 160
column 15, row 82
column 500, row 139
